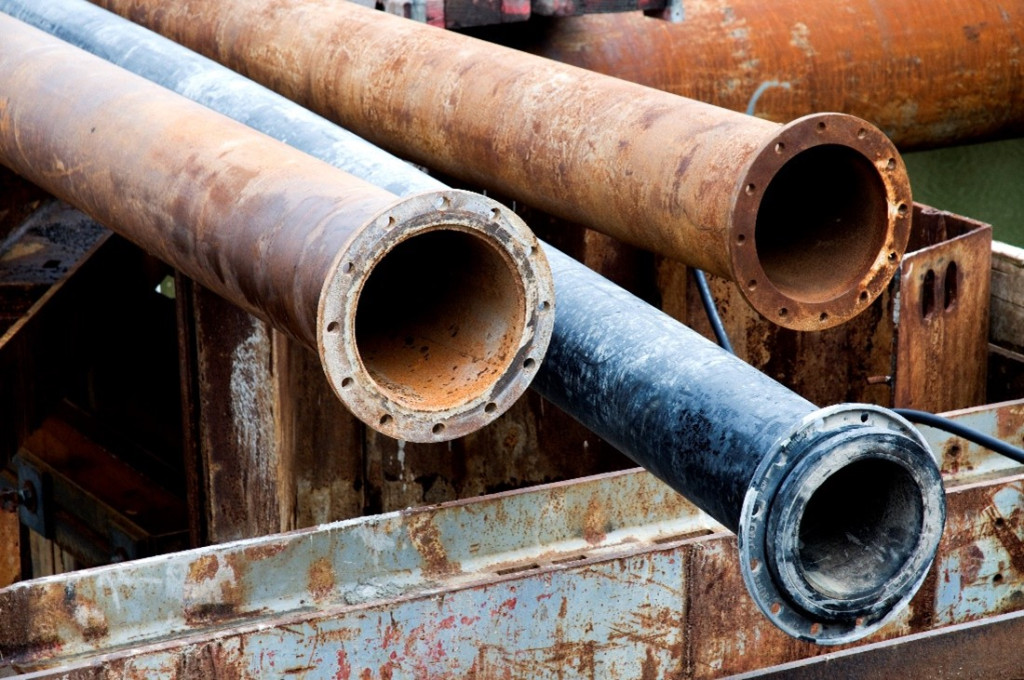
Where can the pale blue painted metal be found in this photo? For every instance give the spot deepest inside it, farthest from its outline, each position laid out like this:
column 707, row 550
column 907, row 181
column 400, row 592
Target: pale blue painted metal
column 588, row 578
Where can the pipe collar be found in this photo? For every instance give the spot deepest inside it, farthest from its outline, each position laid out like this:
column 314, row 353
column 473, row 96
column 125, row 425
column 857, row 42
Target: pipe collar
column 436, row 316
column 841, row 524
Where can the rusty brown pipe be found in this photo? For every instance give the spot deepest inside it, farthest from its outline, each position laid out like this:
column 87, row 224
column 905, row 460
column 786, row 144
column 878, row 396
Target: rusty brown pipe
column 430, row 313
column 810, row 219
column 927, row 73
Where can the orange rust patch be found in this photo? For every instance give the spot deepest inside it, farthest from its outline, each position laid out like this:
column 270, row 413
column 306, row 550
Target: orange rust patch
column 426, row 538
column 203, row 569
column 321, row 579
column 649, row 667
column 1009, row 422
column 595, row 522
column 262, row 552
column 953, row 461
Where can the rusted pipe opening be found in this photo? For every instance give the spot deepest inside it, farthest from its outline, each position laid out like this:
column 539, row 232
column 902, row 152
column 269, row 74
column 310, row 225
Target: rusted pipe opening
column 859, row 528
column 436, row 316
column 439, row 318
column 821, row 223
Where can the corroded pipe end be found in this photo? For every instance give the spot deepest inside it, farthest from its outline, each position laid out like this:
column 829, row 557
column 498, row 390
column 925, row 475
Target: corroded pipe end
column 436, row 317
column 820, row 221
column 841, row 524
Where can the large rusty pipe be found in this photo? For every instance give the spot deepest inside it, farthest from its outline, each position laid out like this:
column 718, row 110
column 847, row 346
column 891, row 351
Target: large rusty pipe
column 815, row 495
column 810, row 219
column 428, row 312
column 927, row 73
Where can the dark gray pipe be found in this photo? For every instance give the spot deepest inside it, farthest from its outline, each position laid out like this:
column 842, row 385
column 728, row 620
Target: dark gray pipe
column 838, row 511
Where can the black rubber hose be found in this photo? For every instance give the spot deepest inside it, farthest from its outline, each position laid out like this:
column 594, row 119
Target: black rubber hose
column 710, row 310
column 970, row 434
column 920, row 417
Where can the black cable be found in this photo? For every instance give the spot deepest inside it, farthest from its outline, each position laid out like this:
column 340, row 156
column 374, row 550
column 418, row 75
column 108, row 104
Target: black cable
column 711, row 311
column 920, row 417
column 970, row 434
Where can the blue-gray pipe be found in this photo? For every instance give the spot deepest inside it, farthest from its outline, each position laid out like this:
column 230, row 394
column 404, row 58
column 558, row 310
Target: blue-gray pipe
column 838, row 511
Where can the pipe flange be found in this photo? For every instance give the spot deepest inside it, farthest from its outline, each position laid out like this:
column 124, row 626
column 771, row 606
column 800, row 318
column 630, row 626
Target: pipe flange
column 841, row 524
column 436, row 316
column 820, row 221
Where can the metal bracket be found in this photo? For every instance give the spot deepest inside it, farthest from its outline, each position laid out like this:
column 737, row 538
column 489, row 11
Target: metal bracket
column 34, row 493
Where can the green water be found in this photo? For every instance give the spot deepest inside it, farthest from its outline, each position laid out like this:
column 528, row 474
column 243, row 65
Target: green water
column 982, row 181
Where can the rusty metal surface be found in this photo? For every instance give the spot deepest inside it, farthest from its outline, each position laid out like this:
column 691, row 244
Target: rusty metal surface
column 982, row 650
column 355, row 576
column 609, row 576
column 291, row 239
column 942, row 327
column 948, row 75
column 716, row 189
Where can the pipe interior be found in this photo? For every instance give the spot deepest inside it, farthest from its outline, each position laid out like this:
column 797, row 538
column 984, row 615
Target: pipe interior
column 440, row 318
column 821, row 223
column 859, row 528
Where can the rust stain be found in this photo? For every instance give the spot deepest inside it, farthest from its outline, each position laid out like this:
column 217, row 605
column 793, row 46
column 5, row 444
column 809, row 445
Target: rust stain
column 922, row 606
column 232, row 589
column 1009, row 423
column 321, row 579
column 1004, row 531
column 649, row 669
column 595, row 522
column 203, row 569
column 953, row 460
column 426, row 538
column 262, row 552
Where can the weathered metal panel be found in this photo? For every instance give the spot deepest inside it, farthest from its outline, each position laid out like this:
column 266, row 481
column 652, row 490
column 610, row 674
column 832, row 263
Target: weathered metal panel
column 650, row 585
column 941, row 353
column 982, row 650
column 397, row 557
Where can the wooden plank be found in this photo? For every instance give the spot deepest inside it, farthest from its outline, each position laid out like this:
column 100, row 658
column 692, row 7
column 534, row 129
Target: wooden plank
column 326, row 440
column 274, row 448
column 10, row 548
column 248, row 485
column 1007, row 301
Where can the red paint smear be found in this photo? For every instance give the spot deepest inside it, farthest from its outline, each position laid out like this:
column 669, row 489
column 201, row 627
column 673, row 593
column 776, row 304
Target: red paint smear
column 448, row 623
column 391, row 635
column 506, row 607
column 344, row 669
column 467, row 621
